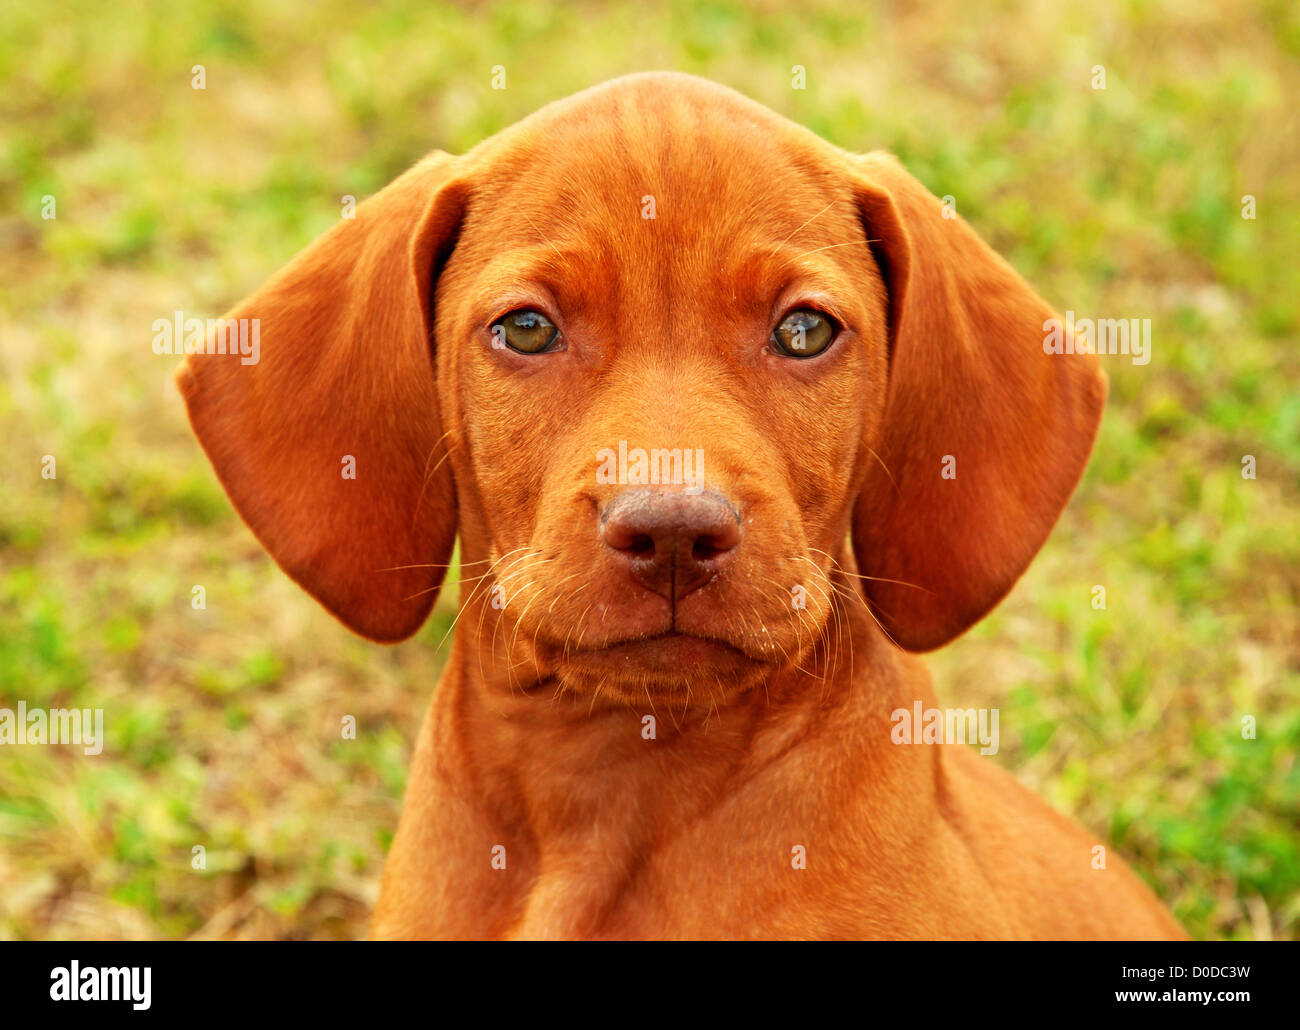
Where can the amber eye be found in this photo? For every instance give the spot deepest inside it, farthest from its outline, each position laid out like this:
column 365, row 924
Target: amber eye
column 803, row 333
column 528, row 331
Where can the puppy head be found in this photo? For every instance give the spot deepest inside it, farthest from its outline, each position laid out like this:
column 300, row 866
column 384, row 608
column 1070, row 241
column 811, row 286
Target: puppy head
column 655, row 352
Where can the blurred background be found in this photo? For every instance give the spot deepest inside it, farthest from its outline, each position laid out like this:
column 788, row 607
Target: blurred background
column 223, row 724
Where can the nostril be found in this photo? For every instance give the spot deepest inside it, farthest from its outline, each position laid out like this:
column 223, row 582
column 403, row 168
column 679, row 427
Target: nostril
column 641, row 545
column 625, row 536
column 708, row 548
column 717, row 540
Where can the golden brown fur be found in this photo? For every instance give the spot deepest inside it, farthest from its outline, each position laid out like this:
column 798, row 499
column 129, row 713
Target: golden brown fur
column 772, row 721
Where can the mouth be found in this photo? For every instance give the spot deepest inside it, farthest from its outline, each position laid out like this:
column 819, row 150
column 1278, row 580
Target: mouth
column 669, row 650
column 670, row 665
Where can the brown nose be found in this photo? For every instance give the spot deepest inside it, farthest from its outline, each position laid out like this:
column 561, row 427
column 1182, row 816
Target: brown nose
column 671, row 542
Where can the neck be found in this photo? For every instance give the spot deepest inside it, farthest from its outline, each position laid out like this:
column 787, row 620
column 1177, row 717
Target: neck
column 572, row 784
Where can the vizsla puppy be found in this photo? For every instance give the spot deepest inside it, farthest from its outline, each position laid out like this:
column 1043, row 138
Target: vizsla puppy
column 730, row 423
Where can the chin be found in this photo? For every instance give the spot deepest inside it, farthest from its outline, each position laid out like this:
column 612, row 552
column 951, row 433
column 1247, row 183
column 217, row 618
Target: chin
column 671, row 668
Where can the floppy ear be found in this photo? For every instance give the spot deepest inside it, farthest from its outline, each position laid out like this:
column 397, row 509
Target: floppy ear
column 984, row 435
column 330, row 445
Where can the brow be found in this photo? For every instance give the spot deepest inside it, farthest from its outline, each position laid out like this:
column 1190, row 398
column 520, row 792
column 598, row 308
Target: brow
column 805, row 225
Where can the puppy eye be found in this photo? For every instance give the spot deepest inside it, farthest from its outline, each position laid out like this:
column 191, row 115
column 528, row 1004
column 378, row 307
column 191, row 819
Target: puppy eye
column 528, row 331
column 803, row 333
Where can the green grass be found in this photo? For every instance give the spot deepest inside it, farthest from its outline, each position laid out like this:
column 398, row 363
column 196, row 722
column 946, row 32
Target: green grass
column 225, row 722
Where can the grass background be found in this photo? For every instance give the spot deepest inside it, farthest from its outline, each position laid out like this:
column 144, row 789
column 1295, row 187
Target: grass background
column 223, row 724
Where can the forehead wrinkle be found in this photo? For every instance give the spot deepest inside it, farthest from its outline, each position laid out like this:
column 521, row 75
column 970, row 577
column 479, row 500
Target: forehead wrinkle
column 566, row 270
column 750, row 245
column 677, row 147
column 833, row 240
column 722, row 185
